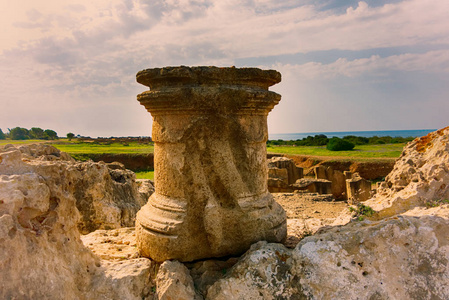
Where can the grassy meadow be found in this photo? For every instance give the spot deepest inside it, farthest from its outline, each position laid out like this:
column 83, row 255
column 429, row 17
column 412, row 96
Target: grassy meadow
column 145, row 175
column 20, row 142
column 78, row 149
column 360, row 152
column 93, row 148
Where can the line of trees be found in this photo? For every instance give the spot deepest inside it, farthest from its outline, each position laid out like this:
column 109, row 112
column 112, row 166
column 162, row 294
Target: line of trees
column 323, row 140
column 19, row 133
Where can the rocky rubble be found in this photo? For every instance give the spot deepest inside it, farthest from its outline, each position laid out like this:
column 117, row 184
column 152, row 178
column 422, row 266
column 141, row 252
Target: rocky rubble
column 420, row 176
column 400, row 253
column 42, row 253
column 399, row 258
column 107, row 197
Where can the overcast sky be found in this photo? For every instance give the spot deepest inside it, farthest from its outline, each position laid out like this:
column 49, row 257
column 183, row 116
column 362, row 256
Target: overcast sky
column 346, row 65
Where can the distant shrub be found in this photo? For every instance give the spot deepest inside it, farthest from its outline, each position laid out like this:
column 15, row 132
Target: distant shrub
column 321, row 140
column 337, row 144
column 70, row 136
column 51, row 134
column 2, row 135
column 18, row 133
column 356, row 140
column 37, row 133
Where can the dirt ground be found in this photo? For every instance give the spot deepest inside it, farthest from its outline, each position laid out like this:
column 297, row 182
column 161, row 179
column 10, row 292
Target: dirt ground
column 309, row 205
column 307, row 213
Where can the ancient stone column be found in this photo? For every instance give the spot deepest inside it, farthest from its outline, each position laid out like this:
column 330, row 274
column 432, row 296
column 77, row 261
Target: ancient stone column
column 209, row 129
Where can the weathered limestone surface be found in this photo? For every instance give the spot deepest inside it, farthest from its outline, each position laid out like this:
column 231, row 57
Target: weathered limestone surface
column 118, row 280
column 209, row 129
column 278, row 180
column 264, row 272
column 405, row 258
column 400, row 258
column 293, row 172
column 146, row 188
column 358, row 189
column 107, row 197
column 337, row 179
column 320, row 172
column 112, row 245
column 173, row 281
column 420, row 176
column 320, row 186
column 282, row 173
column 42, row 254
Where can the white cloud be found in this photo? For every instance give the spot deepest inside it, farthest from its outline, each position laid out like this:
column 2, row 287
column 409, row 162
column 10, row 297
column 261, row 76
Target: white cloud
column 429, row 62
column 87, row 53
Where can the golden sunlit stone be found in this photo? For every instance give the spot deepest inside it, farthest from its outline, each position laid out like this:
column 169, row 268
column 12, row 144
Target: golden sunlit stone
column 210, row 130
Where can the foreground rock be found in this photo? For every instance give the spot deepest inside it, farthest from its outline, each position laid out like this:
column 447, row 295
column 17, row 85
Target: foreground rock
column 173, row 281
column 399, row 258
column 405, row 256
column 420, row 176
column 112, row 245
column 107, row 197
column 42, row 254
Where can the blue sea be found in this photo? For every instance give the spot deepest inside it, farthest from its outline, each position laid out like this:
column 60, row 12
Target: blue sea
column 340, row 134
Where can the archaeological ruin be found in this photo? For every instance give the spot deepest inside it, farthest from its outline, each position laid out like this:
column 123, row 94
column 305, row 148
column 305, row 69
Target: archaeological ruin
column 210, row 129
column 210, row 229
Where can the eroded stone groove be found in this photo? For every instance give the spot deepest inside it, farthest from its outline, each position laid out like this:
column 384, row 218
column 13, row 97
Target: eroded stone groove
column 209, row 129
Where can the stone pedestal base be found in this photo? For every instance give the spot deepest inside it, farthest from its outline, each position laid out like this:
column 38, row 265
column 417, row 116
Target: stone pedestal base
column 210, row 133
column 165, row 230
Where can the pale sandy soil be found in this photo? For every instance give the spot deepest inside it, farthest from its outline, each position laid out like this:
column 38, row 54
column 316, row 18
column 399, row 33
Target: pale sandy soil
column 306, row 213
column 309, row 205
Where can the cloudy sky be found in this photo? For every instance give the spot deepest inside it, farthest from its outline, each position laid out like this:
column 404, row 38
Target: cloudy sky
column 346, row 65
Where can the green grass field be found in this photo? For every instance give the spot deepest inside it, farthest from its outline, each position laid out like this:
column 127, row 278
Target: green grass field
column 359, row 152
column 89, row 148
column 362, row 152
column 21, row 142
column 145, row 175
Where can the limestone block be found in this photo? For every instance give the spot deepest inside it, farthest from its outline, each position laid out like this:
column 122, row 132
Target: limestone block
column 277, row 180
column 112, row 245
column 347, row 174
column 42, row 253
column 146, row 188
column 397, row 258
column 293, row 173
column 419, row 176
column 126, row 279
column 281, row 174
column 401, row 258
column 264, row 272
column 173, row 281
column 338, row 180
column 206, row 272
column 320, row 186
column 358, row 189
column 320, row 172
column 210, row 132
column 300, row 172
column 106, row 198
